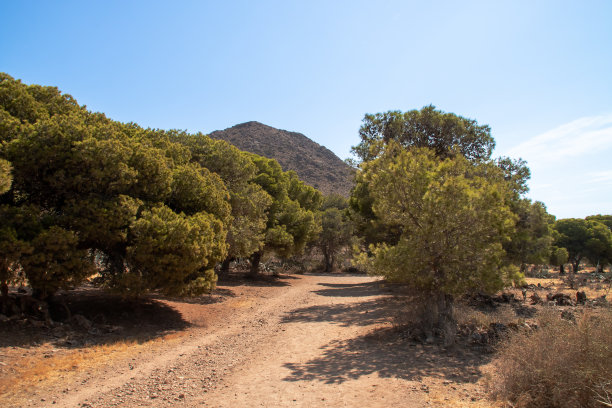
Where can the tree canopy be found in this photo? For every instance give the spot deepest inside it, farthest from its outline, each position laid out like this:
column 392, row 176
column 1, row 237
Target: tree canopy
column 145, row 209
column 443, row 133
column 454, row 221
column 584, row 239
column 291, row 221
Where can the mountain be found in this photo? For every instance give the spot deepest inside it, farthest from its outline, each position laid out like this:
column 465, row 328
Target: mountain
column 315, row 164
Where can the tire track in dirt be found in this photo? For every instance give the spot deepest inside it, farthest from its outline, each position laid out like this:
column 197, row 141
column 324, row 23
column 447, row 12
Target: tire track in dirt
column 272, row 351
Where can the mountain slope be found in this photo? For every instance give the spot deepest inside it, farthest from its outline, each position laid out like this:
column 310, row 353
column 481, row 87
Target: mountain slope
column 315, row 164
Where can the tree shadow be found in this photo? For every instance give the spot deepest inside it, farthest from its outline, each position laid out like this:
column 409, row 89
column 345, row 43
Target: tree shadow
column 217, row 295
column 346, row 314
column 350, row 289
column 261, row 280
column 108, row 319
column 385, row 353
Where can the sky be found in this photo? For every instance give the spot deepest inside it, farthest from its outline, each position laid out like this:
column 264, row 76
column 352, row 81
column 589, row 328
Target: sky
column 539, row 73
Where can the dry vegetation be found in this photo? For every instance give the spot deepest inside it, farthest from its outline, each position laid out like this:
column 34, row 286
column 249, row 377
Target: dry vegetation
column 557, row 355
column 564, row 363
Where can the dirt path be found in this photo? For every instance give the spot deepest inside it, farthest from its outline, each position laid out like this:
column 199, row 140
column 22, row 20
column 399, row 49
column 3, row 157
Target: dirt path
column 321, row 340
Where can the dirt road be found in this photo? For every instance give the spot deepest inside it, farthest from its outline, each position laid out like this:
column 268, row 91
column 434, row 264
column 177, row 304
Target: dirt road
column 311, row 340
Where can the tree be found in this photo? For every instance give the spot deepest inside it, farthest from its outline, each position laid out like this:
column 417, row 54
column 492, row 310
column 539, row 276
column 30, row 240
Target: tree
column 55, row 262
column 604, row 219
column 531, row 240
column 559, row 257
column 584, row 239
column 336, row 229
column 516, row 173
column 172, row 252
column 444, row 133
column 5, row 176
column 249, row 202
column 291, row 221
column 454, row 224
column 107, row 191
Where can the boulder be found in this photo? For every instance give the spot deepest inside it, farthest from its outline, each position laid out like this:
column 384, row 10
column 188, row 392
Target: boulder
column 81, row 321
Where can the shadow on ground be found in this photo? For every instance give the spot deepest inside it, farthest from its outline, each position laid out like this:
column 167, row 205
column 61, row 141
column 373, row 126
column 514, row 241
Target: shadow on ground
column 385, row 351
column 261, row 280
column 106, row 319
column 345, row 314
column 388, row 355
column 351, row 289
column 364, row 313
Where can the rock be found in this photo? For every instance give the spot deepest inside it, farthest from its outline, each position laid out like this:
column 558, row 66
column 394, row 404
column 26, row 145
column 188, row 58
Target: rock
column 561, row 299
column 37, row 323
column 600, row 301
column 497, row 331
column 568, row 315
column 535, row 299
column 58, row 332
column 81, row 321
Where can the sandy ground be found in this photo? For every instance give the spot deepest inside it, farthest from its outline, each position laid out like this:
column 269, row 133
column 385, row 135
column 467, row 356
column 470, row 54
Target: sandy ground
column 305, row 341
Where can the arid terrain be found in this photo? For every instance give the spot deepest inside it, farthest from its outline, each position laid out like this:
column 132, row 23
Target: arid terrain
column 299, row 340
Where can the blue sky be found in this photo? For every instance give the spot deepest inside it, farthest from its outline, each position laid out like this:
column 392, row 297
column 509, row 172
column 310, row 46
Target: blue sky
column 538, row 72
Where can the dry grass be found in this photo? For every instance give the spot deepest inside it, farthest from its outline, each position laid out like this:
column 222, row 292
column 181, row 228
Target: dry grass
column 469, row 316
column 31, row 370
column 562, row 364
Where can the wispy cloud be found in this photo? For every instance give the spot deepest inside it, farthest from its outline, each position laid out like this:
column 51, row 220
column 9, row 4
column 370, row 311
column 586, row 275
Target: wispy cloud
column 600, row 176
column 576, row 138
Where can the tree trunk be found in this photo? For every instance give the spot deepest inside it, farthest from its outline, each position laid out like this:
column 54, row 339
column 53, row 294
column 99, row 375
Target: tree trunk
column 440, row 317
column 255, row 260
column 225, row 266
column 4, row 290
column 329, row 261
column 576, row 265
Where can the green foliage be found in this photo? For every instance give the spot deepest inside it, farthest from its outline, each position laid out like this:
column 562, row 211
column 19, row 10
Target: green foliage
column 146, row 204
column 441, row 132
column 559, row 256
column 336, row 229
column 454, row 221
column 446, row 134
column 232, row 165
column 291, row 222
column 196, row 189
column 249, row 202
column 55, row 262
column 169, row 251
column 5, row 176
column 584, row 239
column 604, row 219
column 531, row 240
column 246, row 233
column 11, row 250
column 516, row 173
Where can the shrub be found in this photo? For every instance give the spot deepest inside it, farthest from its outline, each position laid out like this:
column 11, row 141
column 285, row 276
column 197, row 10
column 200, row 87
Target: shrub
column 562, row 364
